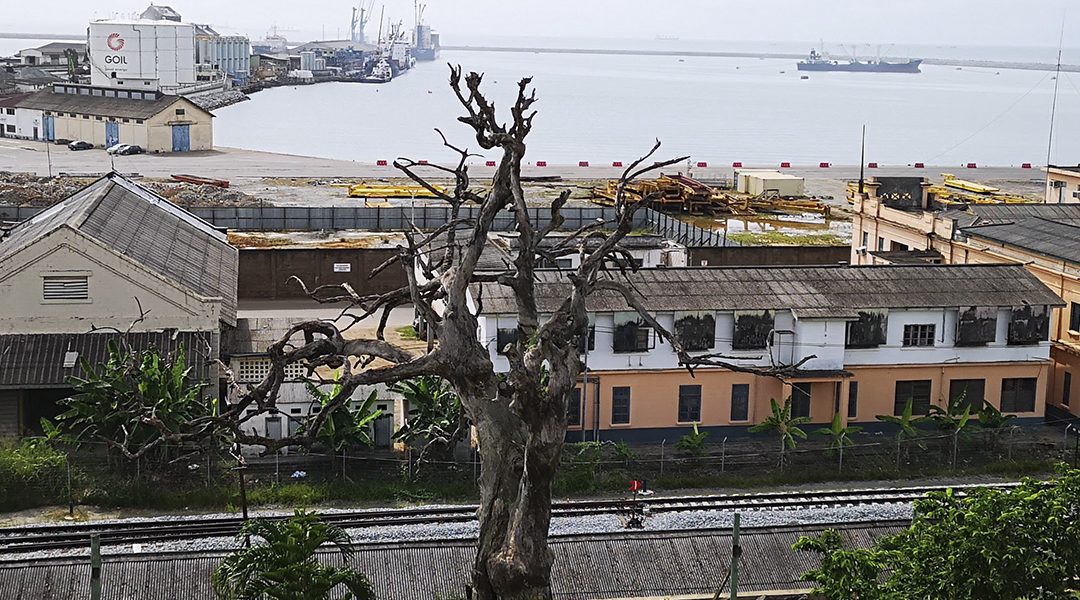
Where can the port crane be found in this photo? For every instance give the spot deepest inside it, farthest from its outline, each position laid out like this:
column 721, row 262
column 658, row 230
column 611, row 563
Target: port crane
column 360, row 16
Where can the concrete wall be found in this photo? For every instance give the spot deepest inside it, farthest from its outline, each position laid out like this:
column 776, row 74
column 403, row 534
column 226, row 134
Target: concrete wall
column 264, row 273
column 730, row 256
column 114, row 282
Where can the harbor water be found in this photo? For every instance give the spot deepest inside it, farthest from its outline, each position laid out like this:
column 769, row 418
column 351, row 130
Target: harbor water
column 604, row 108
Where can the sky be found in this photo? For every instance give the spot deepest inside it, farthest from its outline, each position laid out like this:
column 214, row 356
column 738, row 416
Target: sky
column 934, row 22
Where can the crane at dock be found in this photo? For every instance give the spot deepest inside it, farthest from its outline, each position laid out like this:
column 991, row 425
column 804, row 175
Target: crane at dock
column 360, row 16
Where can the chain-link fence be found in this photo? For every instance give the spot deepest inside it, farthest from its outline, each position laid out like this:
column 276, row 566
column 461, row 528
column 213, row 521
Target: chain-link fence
column 38, row 475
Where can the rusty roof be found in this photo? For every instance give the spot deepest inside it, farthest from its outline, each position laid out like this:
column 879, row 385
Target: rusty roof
column 629, row 564
column 838, row 291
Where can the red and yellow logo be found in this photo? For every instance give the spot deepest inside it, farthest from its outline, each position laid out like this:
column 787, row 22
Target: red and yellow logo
column 115, row 42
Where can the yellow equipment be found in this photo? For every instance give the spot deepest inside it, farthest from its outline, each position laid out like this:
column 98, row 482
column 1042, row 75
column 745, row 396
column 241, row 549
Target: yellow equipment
column 385, row 190
column 968, row 186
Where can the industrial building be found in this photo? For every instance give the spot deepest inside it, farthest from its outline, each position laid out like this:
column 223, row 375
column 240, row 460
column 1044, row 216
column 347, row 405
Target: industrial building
column 897, row 221
column 221, row 54
column 105, row 116
column 855, row 341
column 70, row 277
column 52, row 54
column 142, row 55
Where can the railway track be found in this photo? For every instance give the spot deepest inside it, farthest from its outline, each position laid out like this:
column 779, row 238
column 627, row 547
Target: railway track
column 17, row 540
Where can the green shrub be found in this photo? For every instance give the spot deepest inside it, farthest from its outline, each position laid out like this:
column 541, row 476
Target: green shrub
column 31, row 474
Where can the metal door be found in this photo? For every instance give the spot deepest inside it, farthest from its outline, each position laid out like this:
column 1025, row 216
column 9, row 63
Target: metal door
column 273, row 428
column 181, row 138
column 35, row 132
column 384, row 431
column 112, row 133
column 50, row 129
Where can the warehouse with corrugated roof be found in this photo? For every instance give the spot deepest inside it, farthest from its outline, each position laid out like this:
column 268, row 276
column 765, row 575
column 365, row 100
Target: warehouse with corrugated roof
column 156, row 121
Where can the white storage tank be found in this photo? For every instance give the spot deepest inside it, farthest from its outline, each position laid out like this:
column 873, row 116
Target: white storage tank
column 141, row 55
column 307, row 61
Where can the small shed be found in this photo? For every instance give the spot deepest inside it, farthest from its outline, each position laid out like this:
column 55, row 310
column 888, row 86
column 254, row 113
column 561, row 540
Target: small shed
column 759, row 182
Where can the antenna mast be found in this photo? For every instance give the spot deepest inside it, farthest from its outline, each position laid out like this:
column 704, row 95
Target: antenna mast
column 1053, row 106
column 862, row 160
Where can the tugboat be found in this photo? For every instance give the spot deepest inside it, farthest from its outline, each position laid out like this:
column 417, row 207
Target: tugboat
column 380, row 73
column 817, row 62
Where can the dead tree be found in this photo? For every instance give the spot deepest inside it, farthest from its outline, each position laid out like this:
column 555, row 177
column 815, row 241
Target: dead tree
column 520, row 416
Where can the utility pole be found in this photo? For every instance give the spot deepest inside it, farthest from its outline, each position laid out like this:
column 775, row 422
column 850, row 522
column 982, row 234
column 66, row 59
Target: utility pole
column 862, row 161
column 95, row 567
column 736, row 552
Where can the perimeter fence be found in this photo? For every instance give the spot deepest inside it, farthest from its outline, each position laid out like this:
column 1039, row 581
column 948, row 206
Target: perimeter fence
column 35, row 475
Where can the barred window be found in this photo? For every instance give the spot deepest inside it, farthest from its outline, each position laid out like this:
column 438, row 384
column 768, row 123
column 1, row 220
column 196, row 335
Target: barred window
column 689, row 403
column 918, row 336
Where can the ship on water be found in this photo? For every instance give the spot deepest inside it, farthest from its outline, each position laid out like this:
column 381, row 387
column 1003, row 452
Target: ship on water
column 425, row 39
column 818, row 62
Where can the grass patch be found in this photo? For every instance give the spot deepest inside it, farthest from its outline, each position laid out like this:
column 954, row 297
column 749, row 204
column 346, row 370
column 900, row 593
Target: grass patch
column 408, row 333
column 780, row 238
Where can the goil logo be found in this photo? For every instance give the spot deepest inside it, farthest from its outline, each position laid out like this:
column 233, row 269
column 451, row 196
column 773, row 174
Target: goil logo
column 115, row 42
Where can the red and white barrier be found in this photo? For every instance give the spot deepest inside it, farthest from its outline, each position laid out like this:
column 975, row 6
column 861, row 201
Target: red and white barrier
column 617, row 163
column 871, row 165
column 702, row 165
column 1025, row 166
column 380, row 163
column 583, row 163
column 824, row 165
column 785, row 165
column 489, row 163
column 541, row 163
column 736, row 165
column 920, row 166
column 972, row 166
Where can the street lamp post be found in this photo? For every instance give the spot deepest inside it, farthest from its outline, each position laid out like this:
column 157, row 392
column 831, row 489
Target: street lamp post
column 48, row 151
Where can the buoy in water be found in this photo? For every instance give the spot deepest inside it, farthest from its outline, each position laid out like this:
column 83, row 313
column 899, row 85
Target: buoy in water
column 804, row 77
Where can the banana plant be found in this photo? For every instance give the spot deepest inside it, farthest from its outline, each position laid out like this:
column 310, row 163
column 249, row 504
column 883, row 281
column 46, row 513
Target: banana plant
column 953, row 418
column 345, row 427
column 785, row 426
column 839, row 435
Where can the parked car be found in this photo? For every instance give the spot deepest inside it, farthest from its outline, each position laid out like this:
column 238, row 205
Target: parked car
column 115, row 148
column 80, row 145
column 128, row 150
column 62, row 141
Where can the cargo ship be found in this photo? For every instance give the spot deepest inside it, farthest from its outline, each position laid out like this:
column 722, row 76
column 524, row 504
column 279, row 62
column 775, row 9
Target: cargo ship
column 817, row 62
column 425, row 39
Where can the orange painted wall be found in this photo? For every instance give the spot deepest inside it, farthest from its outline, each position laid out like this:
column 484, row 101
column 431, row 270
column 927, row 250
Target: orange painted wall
column 654, row 395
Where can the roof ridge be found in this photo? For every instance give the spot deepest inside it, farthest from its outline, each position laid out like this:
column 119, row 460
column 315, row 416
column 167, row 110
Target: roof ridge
column 173, row 210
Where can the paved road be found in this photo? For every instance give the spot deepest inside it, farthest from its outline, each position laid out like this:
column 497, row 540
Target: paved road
column 249, row 166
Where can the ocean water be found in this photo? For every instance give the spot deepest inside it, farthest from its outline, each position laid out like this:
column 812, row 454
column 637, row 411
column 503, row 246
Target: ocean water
column 605, row 108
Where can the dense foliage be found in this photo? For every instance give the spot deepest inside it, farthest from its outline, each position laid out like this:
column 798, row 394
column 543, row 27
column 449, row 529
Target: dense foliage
column 785, row 426
column 1017, row 543
column 436, row 420
column 282, row 564
column 134, row 402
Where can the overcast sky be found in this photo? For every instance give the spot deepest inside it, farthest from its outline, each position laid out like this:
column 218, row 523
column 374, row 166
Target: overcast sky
column 939, row 22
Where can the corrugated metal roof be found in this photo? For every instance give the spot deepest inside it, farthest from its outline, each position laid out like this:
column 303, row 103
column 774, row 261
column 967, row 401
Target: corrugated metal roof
column 811, row 292
column 101, row 106
column 37, row 360
column 588, row 567
column 1059, row 239
column 146, row 228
